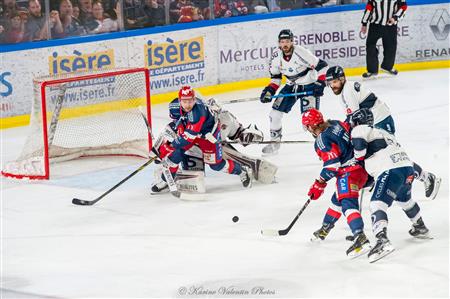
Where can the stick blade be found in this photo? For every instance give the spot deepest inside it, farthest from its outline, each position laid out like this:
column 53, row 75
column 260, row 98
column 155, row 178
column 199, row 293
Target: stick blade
column 270, row 232
column 81, row 202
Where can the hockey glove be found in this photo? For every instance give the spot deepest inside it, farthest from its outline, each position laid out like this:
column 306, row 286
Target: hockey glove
column 319, row 86
column 267, row 93
column 317, row 190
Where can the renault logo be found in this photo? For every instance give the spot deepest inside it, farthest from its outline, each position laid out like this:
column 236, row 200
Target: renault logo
column 440, row 24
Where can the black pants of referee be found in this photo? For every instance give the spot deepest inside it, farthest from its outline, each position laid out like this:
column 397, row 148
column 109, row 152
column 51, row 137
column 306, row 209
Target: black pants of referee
column 388, row 34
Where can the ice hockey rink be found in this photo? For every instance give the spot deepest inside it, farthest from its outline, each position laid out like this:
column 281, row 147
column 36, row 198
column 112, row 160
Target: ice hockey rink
column 134, row 244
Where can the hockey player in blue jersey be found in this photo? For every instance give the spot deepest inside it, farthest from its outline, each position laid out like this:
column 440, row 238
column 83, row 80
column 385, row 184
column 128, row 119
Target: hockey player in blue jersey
column 388, row 163
column 231, row 130
column 334, row 148
column 197, row 125
column 354, row 96
column 304, row 73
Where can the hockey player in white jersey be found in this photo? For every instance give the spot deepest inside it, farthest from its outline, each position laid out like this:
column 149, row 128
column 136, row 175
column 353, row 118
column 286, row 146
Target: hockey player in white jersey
column 388, row 163
column 354, row 96
column 232, row 130
column 305, row 73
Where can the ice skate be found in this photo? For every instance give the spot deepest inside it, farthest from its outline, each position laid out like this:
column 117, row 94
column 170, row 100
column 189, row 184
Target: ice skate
column 419, row 230
column 360, row 246
column 246, row 177
column 272, row 149
column 369, row 75
column 322, row 233
column 160, row 187
column 392, row 72
column 382, row 248
column 432, row 184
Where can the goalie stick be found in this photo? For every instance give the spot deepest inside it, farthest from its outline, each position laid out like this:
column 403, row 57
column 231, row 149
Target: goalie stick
column 282, row 232
column 81, row 202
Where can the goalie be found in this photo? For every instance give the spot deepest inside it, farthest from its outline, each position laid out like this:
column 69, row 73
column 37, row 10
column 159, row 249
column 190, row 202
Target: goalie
column 193, row 157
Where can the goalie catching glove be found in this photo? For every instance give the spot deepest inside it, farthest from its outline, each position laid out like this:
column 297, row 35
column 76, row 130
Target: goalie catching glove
column 251, row 134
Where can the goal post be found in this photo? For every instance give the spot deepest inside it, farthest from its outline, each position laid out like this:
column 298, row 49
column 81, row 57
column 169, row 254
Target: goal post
column 85, row 114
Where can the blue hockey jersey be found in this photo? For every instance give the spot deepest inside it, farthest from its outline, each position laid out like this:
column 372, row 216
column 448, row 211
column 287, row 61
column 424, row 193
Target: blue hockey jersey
column 191, row 125
column 334, row 148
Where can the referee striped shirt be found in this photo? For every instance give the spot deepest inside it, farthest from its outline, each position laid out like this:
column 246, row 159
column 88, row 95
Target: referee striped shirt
column 380, row 11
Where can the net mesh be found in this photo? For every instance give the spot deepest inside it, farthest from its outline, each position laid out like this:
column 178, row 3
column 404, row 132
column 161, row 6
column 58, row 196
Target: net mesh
column 99, row 113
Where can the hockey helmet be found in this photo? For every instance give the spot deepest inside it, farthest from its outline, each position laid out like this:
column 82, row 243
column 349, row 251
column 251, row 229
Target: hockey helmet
column 285, row 34
column 335, row 72
column 362, row 116
column 186, row 93
column 312, row 117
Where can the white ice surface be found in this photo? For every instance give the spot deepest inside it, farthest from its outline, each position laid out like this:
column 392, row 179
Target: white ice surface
column 133, row 244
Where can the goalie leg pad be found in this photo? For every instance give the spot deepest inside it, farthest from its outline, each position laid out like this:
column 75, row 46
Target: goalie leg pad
column 263, row 171
column 191, row 181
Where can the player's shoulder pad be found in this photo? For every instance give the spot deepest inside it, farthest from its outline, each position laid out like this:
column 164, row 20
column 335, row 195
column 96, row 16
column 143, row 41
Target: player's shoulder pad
column 276, row 53
column 322, row 142
column 361, row 131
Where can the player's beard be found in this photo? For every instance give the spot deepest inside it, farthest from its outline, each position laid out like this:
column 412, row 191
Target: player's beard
column 337, row 90
column 287, row 50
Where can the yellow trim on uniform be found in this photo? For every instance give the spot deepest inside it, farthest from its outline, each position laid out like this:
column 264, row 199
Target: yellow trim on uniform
column 22, row 120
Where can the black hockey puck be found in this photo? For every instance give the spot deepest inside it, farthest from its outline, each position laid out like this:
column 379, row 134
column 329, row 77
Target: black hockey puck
column 235, row 219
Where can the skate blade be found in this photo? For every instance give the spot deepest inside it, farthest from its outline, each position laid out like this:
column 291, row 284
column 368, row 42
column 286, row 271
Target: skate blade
column 316, row 240
column 424, row 237
column 437, row 184
column 376, row 257
column 269, row 154
column 164, row 191
column 380, row 75
column 360, row 251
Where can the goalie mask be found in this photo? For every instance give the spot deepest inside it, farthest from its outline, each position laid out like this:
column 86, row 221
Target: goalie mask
column 251, row 134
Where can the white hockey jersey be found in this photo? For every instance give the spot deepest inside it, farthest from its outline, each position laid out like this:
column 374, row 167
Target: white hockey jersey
column 379, row 149
column 299, row 69
column 355, row 96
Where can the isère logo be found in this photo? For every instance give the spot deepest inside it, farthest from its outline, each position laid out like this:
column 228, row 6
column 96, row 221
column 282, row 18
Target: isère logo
column 174, row 56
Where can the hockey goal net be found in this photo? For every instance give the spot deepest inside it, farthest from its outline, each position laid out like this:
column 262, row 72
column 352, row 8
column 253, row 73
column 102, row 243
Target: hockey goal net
column 85, row 114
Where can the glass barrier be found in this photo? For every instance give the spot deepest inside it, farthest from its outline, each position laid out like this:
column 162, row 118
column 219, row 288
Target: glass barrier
column 34, row 20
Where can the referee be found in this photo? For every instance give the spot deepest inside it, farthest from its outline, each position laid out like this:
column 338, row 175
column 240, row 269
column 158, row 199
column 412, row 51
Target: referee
column 383, row 16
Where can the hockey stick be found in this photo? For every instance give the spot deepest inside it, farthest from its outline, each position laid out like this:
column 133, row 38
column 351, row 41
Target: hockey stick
column 272, row 232
column 268, row 142
column 81, row 202
column 303, row 93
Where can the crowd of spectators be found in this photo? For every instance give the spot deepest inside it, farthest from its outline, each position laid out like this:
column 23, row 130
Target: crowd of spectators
column 32, row 20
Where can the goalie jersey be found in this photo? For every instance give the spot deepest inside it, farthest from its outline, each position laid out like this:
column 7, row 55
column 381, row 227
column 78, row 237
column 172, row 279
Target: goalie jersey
column 355, row 96
column 379, row 149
